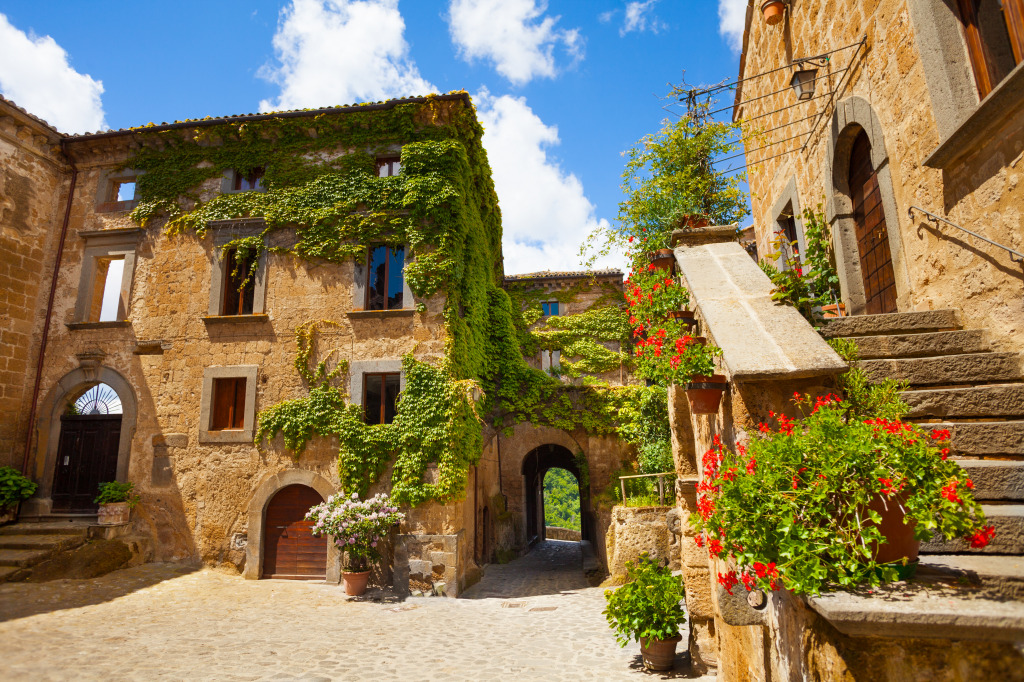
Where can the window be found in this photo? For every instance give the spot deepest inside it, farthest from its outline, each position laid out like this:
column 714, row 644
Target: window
column 389, row 166
column 116, row 190
column 994, row 31
column 123, row 190
column 228, row 404
column 789, row 241
column 549, row 308
column 108, row 264
column 380, row 396
column 250, row 181
column 384, row 283
column 550, row 360
column 238, row 299
column 227, row 410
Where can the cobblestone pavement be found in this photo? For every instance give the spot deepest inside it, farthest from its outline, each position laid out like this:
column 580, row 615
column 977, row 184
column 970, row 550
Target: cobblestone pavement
column 532, row 619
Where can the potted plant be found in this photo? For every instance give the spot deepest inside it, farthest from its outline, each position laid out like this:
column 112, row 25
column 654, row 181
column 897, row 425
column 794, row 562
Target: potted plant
column 358, row 528
column 806, row 504
column 13, row 489
column 116, row 501
column 653, row 296
column 648, row 609
column 773, row 11
column 704, row 392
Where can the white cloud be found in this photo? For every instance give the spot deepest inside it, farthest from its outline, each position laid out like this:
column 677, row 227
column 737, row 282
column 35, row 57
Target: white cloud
column 35, row 74
column 732, row 15
column 513, row 34
column 341, row 51
column 545, row 213
column 640, row 17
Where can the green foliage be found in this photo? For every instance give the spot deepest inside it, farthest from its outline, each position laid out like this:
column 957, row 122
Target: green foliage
column 865, row 398
column 649, row 605
column 14, row 488
column 561, row 499
column 115, row 491
column 792, row 508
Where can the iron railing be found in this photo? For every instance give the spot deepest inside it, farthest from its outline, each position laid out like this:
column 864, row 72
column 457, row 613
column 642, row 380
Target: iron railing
column 661, row 484
column 1015, row 256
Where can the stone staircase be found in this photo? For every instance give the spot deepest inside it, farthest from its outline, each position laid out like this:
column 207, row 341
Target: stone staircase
column 957, row 382
column 28, row 543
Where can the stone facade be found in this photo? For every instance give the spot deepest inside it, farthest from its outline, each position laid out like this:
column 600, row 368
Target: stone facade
column 934, row 145
column 636, row 530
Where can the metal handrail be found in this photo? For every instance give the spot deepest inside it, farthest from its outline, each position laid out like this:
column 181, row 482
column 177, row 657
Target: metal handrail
column 661, row 484
column 935, row 218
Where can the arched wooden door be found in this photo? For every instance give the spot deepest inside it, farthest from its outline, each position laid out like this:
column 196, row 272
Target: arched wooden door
column 872, row 234
column 86, row 457
column 290, row 550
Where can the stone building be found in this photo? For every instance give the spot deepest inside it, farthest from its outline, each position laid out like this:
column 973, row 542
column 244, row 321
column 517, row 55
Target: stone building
column 912, row 135
column 178, row 283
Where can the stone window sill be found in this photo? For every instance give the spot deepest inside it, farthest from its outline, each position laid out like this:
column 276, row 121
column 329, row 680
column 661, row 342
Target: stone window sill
column 226, row 436
column 119, row 324
column 259, row 317
column 359, row 314
column 116, row 206
column 1004, row 104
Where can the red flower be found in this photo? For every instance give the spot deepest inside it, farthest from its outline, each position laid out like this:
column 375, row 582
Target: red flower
column 706, row 508
column 945, row 453
column 675, row 361
column 796, row 395
column 969, row 483
column 728, row 581
column 982, row 536
column 650, row 268
column 748, row 581
column 795, row 483
column 764, row 428
column 630, row 240
column 714, row 547
column 766, row 570
column 940, row 434
column 751, row 465
column 949, row 491
column 886, row 485
column 699, row 540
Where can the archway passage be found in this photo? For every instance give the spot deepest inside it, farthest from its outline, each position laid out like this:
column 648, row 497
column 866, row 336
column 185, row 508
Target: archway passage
column 536, row 465
column 90, row 433
column 561, row 503
column 872, row 233
column 290, row 549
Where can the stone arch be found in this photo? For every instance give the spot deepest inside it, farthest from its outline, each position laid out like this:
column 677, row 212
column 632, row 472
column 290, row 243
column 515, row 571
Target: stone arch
column 851, row 116
column 534, row 467
column 53, row 406
column 257, row 510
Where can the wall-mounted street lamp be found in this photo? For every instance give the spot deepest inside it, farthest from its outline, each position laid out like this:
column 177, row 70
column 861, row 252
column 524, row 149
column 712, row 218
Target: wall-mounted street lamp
column 803, row 83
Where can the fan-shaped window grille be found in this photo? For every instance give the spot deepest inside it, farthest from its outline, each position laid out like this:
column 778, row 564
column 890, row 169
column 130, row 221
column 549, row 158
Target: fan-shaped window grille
column 100, row 399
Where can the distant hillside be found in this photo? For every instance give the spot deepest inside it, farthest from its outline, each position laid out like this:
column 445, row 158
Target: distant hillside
column 561, row 499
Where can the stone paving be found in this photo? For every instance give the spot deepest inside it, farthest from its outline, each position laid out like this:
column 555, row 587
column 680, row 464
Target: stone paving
column 532, row 619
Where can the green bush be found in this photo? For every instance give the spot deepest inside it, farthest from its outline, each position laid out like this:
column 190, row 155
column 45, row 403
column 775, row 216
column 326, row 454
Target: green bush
column 649, row 605
column 14, row 488
column 115, row 491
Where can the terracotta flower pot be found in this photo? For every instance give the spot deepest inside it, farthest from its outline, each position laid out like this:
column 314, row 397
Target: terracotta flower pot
column 663, row 259
column 688, row 317
column 659, row 654
column 834, row 310
column 355, row 582
column 705, row 393
column 899, row 537
column 773, row 11
column 692, row 222
column 114, row 514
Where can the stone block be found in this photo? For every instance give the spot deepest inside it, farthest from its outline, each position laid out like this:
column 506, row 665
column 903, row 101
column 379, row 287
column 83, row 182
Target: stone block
column 955, row 342
column 698, row 592
column 892, row 323
column 984, row 438
column 1001, row 400
column 995, row 479
column 1008, row 520
column 947, row 369
column 692, row 555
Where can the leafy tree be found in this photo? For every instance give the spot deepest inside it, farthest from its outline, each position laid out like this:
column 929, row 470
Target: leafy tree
column 561, row 499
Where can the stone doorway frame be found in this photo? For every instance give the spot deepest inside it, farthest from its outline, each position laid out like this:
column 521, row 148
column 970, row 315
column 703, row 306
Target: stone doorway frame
column 257, row 512
column 852, row 115
column 555, row 456
column 48, row 428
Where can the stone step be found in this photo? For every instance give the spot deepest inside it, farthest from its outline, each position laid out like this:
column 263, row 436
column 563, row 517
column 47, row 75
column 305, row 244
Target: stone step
column 995, row 479
column 50, row 541
column 76, row 527
column 1008, row 520
column 999, row 575
column 994, row 400
column 977, row 439
column 6, row 572
column 927, row 344
column 892, row 323
column 22, row 557
column 972, row 368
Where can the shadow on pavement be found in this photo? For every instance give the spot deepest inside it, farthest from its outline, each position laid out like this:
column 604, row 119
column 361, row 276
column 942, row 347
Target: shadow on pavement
column 550, row 567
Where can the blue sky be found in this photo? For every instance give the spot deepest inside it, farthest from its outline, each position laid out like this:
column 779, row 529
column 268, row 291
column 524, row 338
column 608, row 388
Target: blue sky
column 561, row 87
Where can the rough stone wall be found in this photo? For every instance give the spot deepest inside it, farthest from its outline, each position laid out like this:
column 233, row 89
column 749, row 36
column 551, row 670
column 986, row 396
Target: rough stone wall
column 941, row 268
column 195, row 496
column 33, row 190
column 635, row 530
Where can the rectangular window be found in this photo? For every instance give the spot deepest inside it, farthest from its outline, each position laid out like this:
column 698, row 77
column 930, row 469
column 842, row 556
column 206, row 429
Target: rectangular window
column 253, row 180
column 238, row 300
column 994, row 31
column 389, row 166
column 549, row 308
column 123, row 190
column 106, row 304
column 380, row 396
column 385, row 283
column 550, row 360
column 228, row 413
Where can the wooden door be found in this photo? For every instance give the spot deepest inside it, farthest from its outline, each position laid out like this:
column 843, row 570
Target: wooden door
column 872, row 235
column 290, row 550
column 86, row 457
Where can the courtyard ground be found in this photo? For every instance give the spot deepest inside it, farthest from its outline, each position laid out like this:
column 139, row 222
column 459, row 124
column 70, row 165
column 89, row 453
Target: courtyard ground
column 532, row 619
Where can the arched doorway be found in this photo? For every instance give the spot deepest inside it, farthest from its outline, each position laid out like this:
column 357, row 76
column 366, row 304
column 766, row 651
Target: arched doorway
column 87, row 449
column 536, row 464
column 872, row 234
column 290, row 549
column 561, row 501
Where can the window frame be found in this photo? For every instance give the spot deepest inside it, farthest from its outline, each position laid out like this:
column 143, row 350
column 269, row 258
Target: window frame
column 234, row 421
column 367, row 376
column 978, row 50
column 231, row 178
column 107, row 183
column 225, row 231
column 389, row 162
column 99, row 245
column 545, row 313
column 357, row 369
column 387, row 277
column 206, row 405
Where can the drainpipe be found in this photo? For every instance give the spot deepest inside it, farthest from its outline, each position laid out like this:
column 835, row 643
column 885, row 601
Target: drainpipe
column 49, row 309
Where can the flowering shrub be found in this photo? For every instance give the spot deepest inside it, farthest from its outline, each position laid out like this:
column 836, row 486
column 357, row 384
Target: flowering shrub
column 358, row 527
column 652, row 294
column 648, row 605
column 791, row 509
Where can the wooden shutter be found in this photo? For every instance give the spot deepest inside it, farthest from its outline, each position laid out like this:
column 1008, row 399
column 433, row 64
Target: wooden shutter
column 228, row 404
column 872, row 233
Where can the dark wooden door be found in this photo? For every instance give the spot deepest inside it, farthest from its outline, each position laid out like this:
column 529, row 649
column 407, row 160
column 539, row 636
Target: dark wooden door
column 872, row 234
column 86, row 457
column 290, row 550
